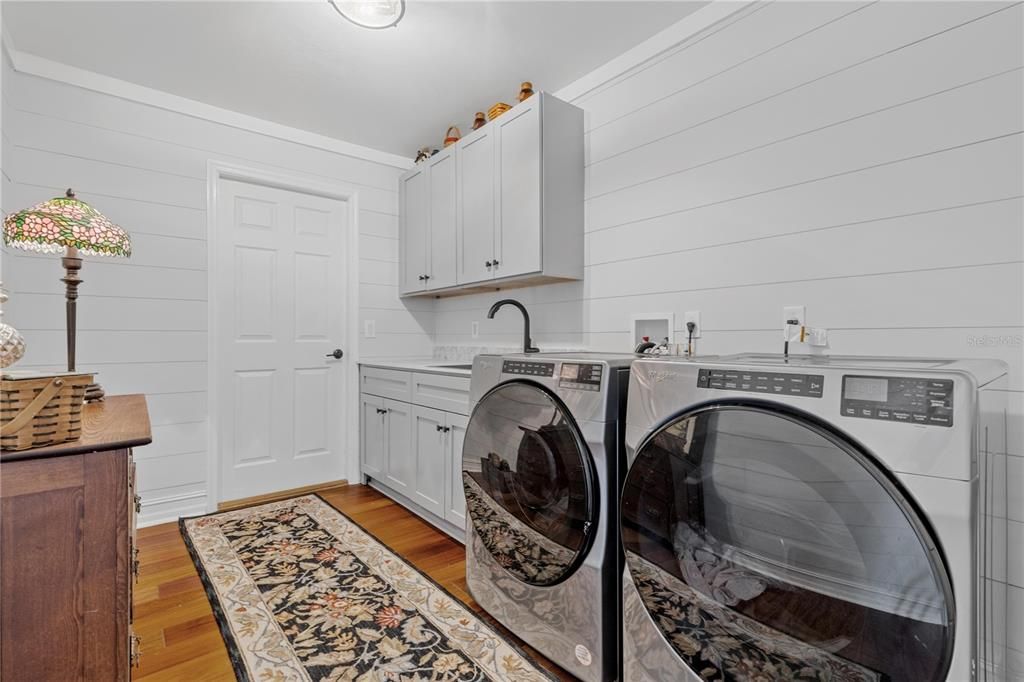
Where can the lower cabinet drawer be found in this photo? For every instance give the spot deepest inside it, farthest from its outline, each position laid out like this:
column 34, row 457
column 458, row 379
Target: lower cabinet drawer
column 441, row 392
column 386, row 383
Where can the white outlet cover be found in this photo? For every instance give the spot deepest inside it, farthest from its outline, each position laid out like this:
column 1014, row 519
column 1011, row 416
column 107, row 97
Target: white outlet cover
column 692, row 316
column 475, row 329
column 370, row 329
column 794, row 312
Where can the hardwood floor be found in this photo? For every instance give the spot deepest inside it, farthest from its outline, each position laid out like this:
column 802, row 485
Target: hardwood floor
column 180, row 638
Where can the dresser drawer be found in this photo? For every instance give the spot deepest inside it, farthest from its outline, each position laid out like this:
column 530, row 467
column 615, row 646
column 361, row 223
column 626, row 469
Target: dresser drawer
column 441, row 392
column 386, row 383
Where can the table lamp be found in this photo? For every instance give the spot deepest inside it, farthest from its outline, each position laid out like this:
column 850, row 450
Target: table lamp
column 70, row 227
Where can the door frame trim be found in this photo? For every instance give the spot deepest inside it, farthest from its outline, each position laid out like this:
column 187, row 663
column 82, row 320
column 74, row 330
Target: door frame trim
column 297, row 182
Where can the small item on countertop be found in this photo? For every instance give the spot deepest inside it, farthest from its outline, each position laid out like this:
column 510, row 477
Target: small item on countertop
column 12, row 344
column 644, row 345
column 452, row 136
column 497, row 110
column 480, row 120
column 38, row 409
column 525, row 90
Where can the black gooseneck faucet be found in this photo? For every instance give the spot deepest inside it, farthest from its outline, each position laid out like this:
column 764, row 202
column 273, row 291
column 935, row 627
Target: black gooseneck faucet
column 527, row 341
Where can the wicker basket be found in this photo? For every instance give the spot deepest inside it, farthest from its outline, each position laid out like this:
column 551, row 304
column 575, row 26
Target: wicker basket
column 41, row 410
column 497, row 110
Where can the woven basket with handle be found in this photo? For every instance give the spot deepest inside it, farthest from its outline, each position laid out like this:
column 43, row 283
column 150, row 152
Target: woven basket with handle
column 41, row 410
column 452, row 136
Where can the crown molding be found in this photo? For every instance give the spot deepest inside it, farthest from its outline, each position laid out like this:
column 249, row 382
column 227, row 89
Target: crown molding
column 33, row 65
column 715, row 12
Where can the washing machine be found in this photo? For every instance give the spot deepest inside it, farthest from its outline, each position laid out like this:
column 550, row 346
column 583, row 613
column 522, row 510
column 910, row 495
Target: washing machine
column 827, row 518
column 543, row 461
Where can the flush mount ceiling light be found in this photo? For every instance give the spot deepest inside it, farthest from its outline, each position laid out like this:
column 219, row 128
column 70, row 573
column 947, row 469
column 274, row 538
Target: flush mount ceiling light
column 371, row 13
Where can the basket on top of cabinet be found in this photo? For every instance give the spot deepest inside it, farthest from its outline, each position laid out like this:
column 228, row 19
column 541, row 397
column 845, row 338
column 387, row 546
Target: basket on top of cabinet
column 500, row 208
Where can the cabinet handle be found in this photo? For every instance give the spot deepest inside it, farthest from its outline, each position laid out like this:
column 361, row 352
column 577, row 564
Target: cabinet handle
column 422, row 277
column 426, row 277
column 489, row 263
column 494, row 263
column 439, row 428
column 381, row 411
column 447, row 429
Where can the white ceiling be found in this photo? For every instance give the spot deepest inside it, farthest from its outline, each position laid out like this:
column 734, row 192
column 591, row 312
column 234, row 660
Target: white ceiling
column 302, row 65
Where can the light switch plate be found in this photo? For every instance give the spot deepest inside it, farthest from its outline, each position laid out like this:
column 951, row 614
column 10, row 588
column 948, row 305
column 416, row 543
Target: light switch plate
column 370, row 329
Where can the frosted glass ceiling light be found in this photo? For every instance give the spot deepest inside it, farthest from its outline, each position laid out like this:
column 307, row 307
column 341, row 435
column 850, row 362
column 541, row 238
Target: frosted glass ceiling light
column 371, row 13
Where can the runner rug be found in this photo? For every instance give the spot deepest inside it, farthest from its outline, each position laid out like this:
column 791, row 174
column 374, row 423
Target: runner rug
column 302, row 592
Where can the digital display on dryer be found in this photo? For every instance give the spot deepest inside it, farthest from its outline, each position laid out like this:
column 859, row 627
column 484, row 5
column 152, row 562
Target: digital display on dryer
column 865, row 388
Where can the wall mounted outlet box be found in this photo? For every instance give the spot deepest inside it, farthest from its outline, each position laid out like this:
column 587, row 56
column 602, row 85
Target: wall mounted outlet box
column 656, row 326
column 692, row 316
column 794, row 312
column 370, row 329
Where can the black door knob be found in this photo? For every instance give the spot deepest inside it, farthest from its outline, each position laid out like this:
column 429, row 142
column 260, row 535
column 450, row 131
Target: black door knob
column 338, row 354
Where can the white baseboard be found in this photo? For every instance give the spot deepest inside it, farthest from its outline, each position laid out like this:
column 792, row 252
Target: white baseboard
column 447, row 527
column 157, row 510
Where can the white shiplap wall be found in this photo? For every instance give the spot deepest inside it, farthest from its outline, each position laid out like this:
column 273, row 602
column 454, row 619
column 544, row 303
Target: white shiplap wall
column 143, row 322
column 862, row 159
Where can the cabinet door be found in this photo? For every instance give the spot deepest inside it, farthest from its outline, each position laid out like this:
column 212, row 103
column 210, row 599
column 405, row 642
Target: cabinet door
column 477, row 206
column 442, row 180
column 429, row 445
column 371, row 434
column 414, row 230
column 455, row 498
column 401, row 461
column 519, row 186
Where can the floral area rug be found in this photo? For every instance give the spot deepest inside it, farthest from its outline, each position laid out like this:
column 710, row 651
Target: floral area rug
column 302, row 592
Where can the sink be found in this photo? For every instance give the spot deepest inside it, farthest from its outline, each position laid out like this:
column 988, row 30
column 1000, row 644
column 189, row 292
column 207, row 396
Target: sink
column 453, row 366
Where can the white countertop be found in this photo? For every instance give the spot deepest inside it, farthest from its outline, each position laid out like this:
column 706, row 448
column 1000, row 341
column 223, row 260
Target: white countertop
column 430, row 365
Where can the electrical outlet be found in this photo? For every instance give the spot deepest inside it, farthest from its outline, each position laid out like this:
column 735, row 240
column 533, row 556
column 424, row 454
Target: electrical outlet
column 474, row 329
column 370, row 329
column 692, row 316
column 794, row 312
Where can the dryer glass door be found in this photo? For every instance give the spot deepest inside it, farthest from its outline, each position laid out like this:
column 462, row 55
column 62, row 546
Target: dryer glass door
column 764, row 545
column 529, row 483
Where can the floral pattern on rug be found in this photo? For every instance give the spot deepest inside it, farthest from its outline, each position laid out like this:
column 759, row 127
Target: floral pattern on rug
column 519, row 549
column 303, row 593
column 722, row 644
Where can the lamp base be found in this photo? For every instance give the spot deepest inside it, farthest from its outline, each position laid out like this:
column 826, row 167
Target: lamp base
column 94, row 393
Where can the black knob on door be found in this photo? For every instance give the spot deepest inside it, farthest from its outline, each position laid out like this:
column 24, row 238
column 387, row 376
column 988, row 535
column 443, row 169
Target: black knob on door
column 489, row 264
column 422, row 277
column 494, row 262
column 338, row 354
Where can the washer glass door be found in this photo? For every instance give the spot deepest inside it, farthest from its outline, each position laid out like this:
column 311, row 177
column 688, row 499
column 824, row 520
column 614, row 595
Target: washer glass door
column 529, row 483
column 765, row 546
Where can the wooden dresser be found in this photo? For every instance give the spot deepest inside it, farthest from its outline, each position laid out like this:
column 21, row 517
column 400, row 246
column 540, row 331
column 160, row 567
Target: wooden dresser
column 67, row 550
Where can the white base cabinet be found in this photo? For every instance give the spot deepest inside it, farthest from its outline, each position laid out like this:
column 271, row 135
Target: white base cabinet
column 502, row 207
column 411, row 448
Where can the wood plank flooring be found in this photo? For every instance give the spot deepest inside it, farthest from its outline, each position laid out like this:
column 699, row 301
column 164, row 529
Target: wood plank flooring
column 180, row 638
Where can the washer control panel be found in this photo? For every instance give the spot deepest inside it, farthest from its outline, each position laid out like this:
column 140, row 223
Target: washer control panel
column 528, row 368
column 777, row 383
column 910, row 400
column 580, row 376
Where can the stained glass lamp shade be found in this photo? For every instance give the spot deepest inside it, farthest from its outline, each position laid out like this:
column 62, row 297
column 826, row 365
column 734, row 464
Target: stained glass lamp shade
column 70, row 227
column 66, row 222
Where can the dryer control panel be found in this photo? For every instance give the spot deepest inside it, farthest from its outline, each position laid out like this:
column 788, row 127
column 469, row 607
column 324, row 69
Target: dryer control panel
column 776, row 383
column 532, row 369
column 911, row 400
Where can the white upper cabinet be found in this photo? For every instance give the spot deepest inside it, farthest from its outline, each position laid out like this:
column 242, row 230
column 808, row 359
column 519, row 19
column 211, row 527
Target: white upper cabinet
column 413, row 230
column 477, row 207
column 515, row 217
column 442, row 186
column 520, row 184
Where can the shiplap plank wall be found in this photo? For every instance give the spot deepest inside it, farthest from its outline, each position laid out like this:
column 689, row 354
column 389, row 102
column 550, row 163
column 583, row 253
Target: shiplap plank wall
column 143, row 322
column 863, row 159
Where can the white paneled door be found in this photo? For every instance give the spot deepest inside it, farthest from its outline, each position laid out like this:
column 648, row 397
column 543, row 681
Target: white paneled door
column 280, row 269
